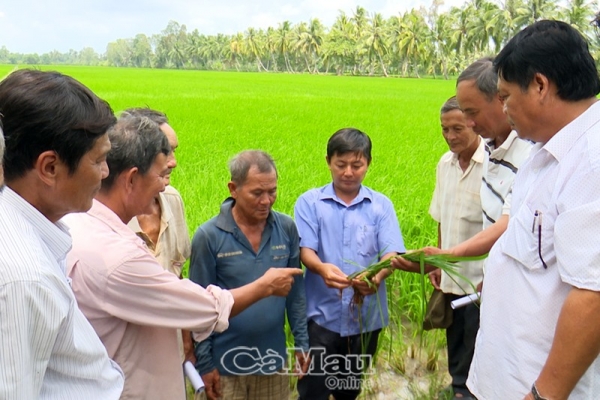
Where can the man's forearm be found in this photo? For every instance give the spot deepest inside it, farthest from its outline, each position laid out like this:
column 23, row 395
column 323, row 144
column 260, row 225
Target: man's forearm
column 384, row 273
column 311, row 260
column 482, row 242
column 576, row 344
column 245, row 296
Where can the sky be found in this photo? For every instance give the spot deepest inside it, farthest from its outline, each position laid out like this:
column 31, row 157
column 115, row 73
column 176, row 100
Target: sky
column 40, row 26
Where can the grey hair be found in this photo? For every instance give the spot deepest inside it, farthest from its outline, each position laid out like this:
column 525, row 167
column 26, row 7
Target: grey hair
column 485, row 77
column 135, row 141
column 241, row 163
column 156, row 116
column 450, row 105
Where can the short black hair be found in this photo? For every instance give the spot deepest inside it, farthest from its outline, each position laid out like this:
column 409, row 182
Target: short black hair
column 42, row 111
column 135, row 142
column 556, row 50
column 349, row 140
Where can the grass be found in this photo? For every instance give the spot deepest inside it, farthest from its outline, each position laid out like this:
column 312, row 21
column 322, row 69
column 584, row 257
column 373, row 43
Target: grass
column 217, row 114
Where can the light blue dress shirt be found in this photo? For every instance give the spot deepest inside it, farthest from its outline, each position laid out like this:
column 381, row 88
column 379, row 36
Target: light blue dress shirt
column 351, row 237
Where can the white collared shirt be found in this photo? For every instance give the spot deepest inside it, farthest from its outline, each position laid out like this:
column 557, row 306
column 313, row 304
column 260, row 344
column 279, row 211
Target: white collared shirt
column 456, row 206
column 521, row 299
column 48, row 349
column 174, row 246
column 499, row 170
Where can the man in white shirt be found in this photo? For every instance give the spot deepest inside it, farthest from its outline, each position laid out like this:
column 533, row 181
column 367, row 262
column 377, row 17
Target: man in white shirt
column 55, row 130
column 477, row 95
column 540, row 314
column 456, row 206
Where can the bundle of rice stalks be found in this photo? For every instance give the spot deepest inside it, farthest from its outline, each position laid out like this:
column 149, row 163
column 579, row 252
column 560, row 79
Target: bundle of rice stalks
column 446, row 262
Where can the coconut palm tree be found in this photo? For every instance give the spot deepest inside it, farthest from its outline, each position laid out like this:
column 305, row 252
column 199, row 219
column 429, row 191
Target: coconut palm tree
column 254, row 45
column 579, row 13
column 376, row 40
column 283, row 38
column 534, row 10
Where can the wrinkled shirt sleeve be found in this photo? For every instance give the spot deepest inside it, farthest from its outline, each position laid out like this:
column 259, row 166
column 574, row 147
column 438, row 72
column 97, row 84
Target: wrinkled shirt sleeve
column 140, row 291
column 307, row 223
column 296, row 300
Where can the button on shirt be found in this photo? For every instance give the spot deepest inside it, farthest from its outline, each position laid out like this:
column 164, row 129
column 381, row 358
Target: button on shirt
column 48, row 350
column 223, row 256
column 351, row 237
column 136, row 306
column 499, row 170
column 456, row 206
column 521, row 299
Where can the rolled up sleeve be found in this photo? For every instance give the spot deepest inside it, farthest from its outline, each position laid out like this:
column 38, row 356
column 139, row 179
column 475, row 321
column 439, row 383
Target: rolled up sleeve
column 140, row 291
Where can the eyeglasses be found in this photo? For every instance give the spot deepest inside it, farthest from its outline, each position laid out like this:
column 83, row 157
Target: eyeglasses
column 537, row 223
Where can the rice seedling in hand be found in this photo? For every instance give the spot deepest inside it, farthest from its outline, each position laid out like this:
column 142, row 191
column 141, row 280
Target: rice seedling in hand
column 446, row 262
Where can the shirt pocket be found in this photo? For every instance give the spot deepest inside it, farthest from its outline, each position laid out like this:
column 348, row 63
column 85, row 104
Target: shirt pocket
column 280, row 258
column 470, row 207
column 525, row 242
column 366, row 239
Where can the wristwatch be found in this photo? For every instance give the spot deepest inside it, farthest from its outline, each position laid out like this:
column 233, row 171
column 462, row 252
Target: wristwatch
column 535, row 393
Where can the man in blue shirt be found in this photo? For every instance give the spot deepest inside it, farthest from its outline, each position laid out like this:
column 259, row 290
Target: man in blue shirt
column 232, row 249
column 344, row 227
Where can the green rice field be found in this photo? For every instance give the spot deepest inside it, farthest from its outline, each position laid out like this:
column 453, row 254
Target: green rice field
column 217, row 114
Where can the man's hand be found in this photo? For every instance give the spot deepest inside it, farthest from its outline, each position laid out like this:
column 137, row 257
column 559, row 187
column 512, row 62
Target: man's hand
column 333, row 276
column 302, row 363
column 188, row 347
column 280, row 280
column 212, row 384
column 435, row 277
column 365, row 288
column 403, row 264
column 479, row 286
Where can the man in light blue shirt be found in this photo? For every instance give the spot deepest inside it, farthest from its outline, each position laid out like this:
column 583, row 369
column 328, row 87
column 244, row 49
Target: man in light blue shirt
column 344, row 227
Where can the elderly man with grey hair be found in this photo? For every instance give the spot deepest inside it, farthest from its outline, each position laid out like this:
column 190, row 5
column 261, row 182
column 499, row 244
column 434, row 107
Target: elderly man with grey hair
column 243, row 241
column 134, row 305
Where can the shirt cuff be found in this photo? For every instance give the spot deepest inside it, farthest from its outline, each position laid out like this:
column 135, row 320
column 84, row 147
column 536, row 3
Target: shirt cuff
column 223, row 305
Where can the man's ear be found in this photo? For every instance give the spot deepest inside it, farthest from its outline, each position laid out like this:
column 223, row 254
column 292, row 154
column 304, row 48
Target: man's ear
column 232, row 189
column 130, row 177
column 541, row 85
column 49, row 166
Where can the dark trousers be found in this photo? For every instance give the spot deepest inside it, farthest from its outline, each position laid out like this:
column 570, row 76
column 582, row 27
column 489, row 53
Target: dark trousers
column 461, row 337
column 332, row 372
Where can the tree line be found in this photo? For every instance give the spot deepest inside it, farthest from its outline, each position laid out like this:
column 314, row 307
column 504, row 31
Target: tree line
column 418, row 42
